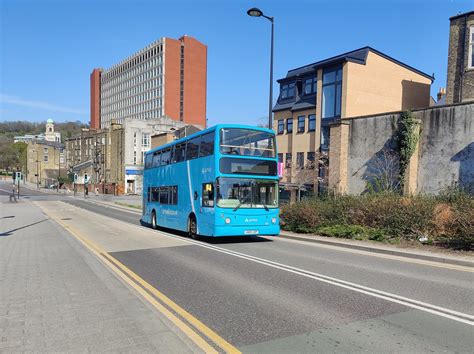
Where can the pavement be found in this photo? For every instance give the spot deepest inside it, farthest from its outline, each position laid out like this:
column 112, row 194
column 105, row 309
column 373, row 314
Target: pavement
column 55, row 296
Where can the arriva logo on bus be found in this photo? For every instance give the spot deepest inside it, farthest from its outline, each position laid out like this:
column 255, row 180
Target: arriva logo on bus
column 251, row 220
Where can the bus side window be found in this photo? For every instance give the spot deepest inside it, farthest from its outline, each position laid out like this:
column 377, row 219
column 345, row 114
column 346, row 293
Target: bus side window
column 192, row 148
column 207, row 195
column 164, row 194
column 155, row 194
column 179, row 152
column 207, row 145
column 172, row 160
column 148, row 161
column 156, row 159
column 174, row 195
column 165, row 157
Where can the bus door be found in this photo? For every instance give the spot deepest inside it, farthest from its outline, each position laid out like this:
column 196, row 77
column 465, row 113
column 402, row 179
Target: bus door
column 206, row 208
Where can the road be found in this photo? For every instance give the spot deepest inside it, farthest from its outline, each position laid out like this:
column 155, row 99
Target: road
column 279, row 295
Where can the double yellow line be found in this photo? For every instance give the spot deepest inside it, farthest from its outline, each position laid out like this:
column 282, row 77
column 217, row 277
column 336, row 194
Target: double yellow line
column 156, row 298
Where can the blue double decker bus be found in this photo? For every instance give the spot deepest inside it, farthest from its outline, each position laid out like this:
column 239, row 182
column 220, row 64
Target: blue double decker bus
column 222, row 181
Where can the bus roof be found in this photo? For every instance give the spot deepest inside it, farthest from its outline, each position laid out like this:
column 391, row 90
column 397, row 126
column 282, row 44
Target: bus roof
column 202, row 132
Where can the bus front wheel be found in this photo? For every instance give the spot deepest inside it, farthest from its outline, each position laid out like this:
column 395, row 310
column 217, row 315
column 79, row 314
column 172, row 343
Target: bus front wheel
column 192, row 228
column 153, row 220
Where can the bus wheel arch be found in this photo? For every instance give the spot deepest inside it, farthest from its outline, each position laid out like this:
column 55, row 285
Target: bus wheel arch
column 192, row 226
column 154, row 224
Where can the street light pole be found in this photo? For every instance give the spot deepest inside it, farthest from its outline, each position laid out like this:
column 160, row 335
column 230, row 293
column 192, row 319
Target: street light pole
column 59, row 169
column 255, row 12
column 37, row 170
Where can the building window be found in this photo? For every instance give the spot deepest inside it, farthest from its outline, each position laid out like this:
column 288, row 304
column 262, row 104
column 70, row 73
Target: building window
column 310, row 85
column 146, row 140
column 301, row 125
column 312, row 122
column 471, row 47
column 281, row 126
column 287, row 90
column 45, row 158
column 289, row 125
column 300, row 160
column 45, row 150
column 135, row 139
column 310, row 159
column 325, row 138
column 332, row 92
column 134, row 157
column 288, row 159
column 280, row 157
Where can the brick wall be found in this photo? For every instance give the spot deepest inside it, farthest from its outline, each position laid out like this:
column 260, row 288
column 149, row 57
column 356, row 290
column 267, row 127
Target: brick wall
column 460, row 78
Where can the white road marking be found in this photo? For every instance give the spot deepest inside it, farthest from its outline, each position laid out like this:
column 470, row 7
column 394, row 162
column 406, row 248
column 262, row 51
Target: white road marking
column 10, row 191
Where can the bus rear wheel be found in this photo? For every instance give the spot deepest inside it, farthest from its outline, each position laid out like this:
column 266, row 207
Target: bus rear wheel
column 154, row 225
column 192, row 228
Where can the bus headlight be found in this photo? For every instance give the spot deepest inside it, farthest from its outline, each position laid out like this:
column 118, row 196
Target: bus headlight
column 274, row 220
column 227, row 220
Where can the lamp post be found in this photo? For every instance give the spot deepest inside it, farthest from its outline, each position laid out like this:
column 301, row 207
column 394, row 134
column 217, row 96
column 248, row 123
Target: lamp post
column 255, row 12
column 37, row 170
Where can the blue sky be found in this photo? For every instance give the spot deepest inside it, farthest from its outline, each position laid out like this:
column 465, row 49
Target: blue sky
column 49, row 47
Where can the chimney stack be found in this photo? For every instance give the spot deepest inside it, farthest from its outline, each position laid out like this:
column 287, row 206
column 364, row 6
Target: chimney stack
column 441, row 93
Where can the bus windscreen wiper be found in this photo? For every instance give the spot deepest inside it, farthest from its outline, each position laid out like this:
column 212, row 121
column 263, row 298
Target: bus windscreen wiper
column 242, row 201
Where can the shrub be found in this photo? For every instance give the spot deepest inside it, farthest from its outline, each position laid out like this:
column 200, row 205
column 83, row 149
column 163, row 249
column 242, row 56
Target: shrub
column 446, row 219
column 356, row 232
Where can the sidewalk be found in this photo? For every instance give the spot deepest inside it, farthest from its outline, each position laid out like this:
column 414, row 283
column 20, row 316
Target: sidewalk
column 34, row 187
column 56, row 296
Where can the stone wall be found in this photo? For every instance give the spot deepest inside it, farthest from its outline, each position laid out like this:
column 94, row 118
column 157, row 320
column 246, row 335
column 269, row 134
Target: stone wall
column 445, row 154
column 446, row 148
column 460, row 77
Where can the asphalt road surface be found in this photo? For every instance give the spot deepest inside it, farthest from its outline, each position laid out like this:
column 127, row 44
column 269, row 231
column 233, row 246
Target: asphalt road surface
column 285, row 296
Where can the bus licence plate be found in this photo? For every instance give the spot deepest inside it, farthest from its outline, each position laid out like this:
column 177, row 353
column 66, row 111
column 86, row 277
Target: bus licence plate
column 251, row 232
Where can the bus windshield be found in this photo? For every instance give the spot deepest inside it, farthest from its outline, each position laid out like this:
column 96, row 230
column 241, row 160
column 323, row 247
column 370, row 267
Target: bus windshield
column 247, row 193
column 247, row 142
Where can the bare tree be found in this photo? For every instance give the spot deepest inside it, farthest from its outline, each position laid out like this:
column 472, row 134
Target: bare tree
column 302, row 178
column 383, row 172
